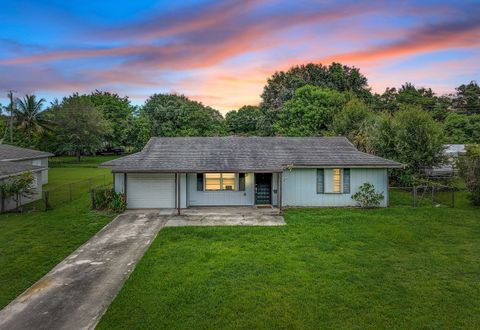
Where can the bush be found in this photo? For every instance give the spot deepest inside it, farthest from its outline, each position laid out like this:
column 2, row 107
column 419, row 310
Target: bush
column 366, row 197
column 107, row 199
column 469, row 166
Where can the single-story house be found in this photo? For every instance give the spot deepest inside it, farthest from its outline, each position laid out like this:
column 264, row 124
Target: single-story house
column 179, row 172
column 9, row 153
column 9, row 170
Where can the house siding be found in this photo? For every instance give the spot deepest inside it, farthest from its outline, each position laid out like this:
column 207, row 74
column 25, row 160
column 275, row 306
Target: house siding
column 300, row 189
column 38, row 162
column 10, row 203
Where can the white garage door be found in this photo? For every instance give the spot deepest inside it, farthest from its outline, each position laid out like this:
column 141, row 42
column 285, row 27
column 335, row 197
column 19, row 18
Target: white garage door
column 150, row 190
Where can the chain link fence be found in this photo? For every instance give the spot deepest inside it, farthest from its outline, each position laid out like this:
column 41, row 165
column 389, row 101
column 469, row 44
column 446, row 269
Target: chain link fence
column 423, row 196
column 60, row 195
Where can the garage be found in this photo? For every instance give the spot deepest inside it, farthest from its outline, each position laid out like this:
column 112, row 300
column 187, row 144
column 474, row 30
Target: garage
column 150, row 190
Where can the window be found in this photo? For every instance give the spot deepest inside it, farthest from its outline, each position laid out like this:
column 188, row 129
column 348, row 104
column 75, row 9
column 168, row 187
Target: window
column 337, row 180
column 228, row 181
column 219, row 181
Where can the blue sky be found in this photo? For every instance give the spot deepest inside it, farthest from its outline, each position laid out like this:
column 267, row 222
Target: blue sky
column 222, row 52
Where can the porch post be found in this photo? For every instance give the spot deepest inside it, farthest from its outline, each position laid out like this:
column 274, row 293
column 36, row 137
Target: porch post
column 280, row 187
column 177, row 183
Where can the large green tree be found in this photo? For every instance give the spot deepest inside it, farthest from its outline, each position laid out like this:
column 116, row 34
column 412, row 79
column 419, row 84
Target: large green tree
column 460, row 128
column 118, row 111
column 176, row 115
column 30, row 121
column 352, row 121
column 467, row 98
column 410, row 136
column 245, row 121
column 282, row 85
column 310, row 112
column 80, row 127
column 409, row 95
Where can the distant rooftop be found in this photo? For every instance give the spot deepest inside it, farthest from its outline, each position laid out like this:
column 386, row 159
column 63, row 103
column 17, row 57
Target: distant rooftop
column 454, row 149
column 8, row 169
column 12, row 153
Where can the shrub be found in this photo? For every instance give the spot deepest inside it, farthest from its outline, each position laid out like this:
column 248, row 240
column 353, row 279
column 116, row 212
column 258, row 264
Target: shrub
column 107, row 199
column 469, row 166
column 367, row 197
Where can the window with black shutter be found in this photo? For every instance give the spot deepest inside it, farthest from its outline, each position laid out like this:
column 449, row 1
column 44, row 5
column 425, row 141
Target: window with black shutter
column 199, row 181
column 241, row 181
column 320, row 181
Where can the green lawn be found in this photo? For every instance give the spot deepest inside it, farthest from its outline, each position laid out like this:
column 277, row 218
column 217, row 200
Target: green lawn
column 32, row 243
column 328, row 268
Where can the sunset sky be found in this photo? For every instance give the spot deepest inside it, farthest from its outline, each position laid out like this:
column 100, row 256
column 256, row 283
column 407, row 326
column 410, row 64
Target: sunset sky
column 222, row 52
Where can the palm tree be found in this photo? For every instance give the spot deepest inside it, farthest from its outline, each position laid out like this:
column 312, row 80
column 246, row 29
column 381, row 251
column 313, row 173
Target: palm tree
column 29, row 117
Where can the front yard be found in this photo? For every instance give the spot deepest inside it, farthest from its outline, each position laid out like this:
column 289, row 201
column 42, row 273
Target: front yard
column 32, row 243
column 328, row 268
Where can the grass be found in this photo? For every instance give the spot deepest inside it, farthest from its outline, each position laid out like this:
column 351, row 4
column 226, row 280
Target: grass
column 328, row 268
column 85, row 161
column 32, row 243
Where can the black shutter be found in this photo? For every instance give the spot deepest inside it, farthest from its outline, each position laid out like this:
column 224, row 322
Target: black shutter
column 346, row 181
column 320, row 181
column 199, row 181
column 241, row 181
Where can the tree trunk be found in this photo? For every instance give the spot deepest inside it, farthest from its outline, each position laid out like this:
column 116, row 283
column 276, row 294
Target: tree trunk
column 78, row 155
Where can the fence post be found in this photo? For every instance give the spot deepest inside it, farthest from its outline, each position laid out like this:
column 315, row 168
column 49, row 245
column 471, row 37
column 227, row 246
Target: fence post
column 433, row 195
column 92, row 196
column 414, row 191
column 45, row 197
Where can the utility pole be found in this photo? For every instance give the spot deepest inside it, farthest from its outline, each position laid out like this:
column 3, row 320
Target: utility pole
column 12, row 108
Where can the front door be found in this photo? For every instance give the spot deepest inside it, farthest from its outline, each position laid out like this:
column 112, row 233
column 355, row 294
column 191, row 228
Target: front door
column 263, row 188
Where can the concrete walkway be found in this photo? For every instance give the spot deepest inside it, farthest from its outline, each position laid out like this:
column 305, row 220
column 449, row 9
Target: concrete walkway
column 76, row 293
column 227, row 216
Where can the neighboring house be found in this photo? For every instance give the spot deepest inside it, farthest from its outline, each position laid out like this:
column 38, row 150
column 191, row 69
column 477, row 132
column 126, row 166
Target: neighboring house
column 9, row 170
column 282, row 171
column 451, row 152
column 26, row 156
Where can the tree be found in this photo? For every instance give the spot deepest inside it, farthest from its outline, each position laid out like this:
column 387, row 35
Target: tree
column 245, row 121
column 310, row 112
column 16, row 187
column 29, row 119
column 411, row 137
column 409, row 95
column 176, row 115
column 469, row 166
column 118, row 111
column 467, row 98
column 351, row 121
column 80, row 126
column 282, row 85
column 460, row 128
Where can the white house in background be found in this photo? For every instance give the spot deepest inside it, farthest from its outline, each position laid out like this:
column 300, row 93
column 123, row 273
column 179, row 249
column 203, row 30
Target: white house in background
column 180, row 172
column 448, row 170
column 9, row 153
column 8, row 170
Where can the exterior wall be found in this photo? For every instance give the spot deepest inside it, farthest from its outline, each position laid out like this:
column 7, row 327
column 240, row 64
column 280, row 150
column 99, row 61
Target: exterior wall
column 118, row 182
column 10, row 204
column 38, row 162
column 213, row 198
column 300, row 187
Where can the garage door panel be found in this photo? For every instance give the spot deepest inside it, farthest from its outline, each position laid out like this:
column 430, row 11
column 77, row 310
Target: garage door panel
column 150, row 190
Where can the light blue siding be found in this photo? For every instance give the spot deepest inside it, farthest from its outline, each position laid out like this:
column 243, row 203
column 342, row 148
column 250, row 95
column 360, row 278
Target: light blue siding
column 300, row 187
column 208, row 198
column 118, row 183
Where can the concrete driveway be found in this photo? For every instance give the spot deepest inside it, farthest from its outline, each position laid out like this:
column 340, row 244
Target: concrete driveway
column 76, row 293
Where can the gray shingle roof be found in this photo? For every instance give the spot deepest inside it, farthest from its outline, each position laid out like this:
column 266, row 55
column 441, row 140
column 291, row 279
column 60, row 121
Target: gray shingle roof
column 8, row 169
column 236, row 154
column 9, row 152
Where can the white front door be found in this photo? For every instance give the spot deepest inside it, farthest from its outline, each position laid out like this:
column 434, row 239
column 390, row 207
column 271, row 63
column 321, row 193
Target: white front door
column 150, row 190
